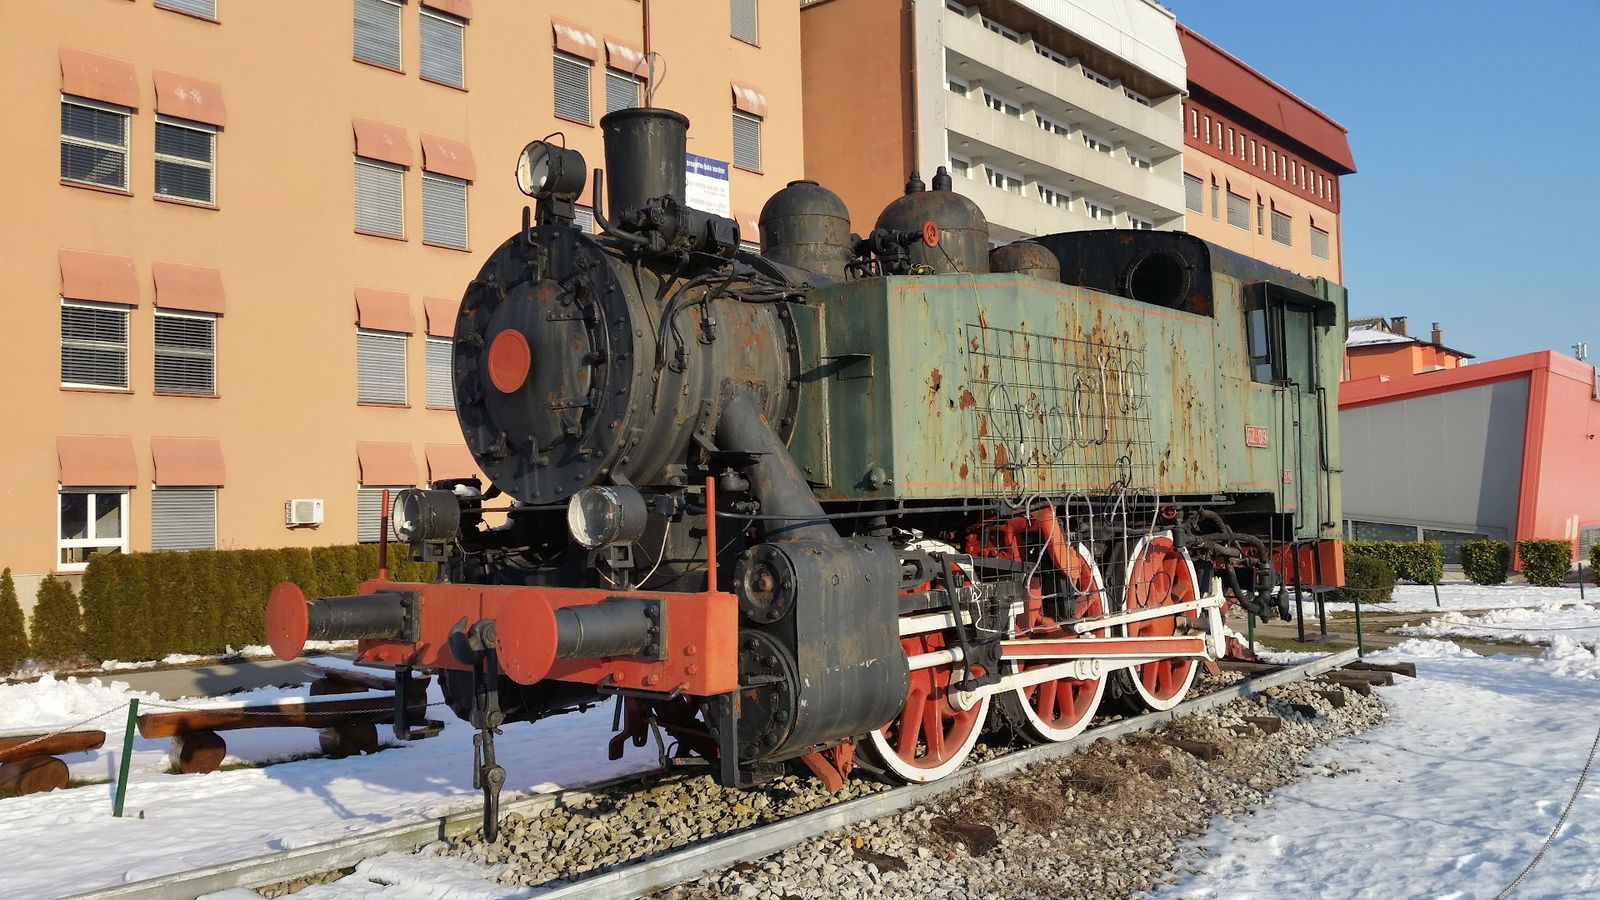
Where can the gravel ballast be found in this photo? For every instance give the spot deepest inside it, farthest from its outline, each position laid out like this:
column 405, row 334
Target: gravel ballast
column 1106, row 821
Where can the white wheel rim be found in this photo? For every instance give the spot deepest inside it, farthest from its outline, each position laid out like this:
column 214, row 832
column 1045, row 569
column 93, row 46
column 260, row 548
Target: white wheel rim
column 1035, row 722
column 892, row 760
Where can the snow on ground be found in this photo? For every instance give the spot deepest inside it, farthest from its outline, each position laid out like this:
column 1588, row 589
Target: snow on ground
column 1451, row 797
column 1541, row 625
column 178, row 822
column 1466, row 595
column 32, row 669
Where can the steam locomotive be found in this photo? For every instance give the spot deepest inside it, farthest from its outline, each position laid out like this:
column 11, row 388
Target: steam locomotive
column 846, row 502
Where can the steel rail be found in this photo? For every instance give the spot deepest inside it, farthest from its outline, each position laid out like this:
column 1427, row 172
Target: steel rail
column 676, row 867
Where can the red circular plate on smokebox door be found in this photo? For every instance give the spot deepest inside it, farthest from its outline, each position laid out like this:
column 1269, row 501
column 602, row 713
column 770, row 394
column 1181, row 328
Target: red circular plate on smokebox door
column 930, row 234
column 509, row 360
column 287, row 621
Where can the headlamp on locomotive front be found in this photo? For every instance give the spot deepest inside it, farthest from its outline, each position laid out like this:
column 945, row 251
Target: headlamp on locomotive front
column 550, row 171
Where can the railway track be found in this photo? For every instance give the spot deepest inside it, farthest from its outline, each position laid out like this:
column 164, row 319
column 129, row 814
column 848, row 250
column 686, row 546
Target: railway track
column 707, row 855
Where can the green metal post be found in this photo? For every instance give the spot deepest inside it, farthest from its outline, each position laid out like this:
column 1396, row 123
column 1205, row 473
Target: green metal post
column 1436, row 588
column 127, row 756
column 1250, row 618
column 1580, row 581
column 1361, row 646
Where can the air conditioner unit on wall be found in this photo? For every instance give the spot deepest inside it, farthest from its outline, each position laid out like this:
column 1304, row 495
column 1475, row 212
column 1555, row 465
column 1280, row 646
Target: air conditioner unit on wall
column 302, row 512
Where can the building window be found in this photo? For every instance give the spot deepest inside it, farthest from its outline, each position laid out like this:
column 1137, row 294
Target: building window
column 1095, row 143
column 1094, row 76
column 961, row 168
column 1001, row 104
column 183, row 518
column 1230, row 141
column 87, row 523
column 1001, row 30
column 186, row 353
column 1135, row 96
column 1208, row 129
column 1238, row 211
column 1140, row 224
column 444, row 210
column 186, row 163
column 1053, row 197
column 1098, row 211
column 380, row 198
column 94, row 345
column 746, row 141
column 1046, row 123
column 94, row 143
column 1258, row 342
column 957, row 86
column 622, row 91
column 744, row 24
column 1194, row 122
column 1194, row 193
column 1051, row 55
column 1216, row 200
column 442, row 42
column 441, row 386
column 1138, row 160
column 1252, row 151
column 378, row 32
column 205, row 9
column 1282, row 228
column 1005, row 181
column 572, row 87
column 1319, row 243
column 370, row 511
column 1261, row 216
column 1274, row 162
column 583, row 219
column 380, row 367
column 955, row 7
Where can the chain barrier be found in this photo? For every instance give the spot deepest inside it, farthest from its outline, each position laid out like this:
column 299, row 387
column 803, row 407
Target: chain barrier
column 275, row 711
column 66, row 728
column 1577, row 789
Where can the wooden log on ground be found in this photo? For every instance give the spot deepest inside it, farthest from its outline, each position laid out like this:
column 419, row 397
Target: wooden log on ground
column 15, row 747
column 1399, row 668
column 282, row 714
column 1305, row 709
column 197, row 752
column 368, row 681
column 1381, row 679
column 348, row 740
column 33, row 775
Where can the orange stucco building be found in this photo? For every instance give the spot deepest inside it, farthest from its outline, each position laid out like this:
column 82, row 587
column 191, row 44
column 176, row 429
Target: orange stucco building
column 236, row 233
column 1381, row 347
column 1261, row 166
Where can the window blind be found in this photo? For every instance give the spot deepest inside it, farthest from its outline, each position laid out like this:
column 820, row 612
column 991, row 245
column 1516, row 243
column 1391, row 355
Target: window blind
column 1281, row 229
column 1194, row 193
column 1238, row 211
column 380, row 366
column 442, row 39
column 185, row 162
column 572, row 87
column 94, row 144
column 186, row 347
column 94, row 345
column 744, row 25
column 369, row 512
column 622, row 91
column 441, row 388
column 444, row 210
column 380, row 198
column 746, row 141
column 1319, row 243
column 206, row 8
column 183, row 518
column 377, row 32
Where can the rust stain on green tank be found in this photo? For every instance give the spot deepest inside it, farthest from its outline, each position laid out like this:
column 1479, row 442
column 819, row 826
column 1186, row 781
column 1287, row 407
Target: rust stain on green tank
column 967, row 400
column 934, row 380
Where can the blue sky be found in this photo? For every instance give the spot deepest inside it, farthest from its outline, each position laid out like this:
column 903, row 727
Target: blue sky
column 1476, row 136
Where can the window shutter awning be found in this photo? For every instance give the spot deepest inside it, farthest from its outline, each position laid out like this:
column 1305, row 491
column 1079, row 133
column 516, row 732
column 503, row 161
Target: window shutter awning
column 375, row 140
column 193, row 288
column 190, row 98
column 452, row 461
column 97, row 276
column 441, row 313
column 98, row 78
column 92, row 461
column 747, row 98
column 188, row 462
column 461, row 9
column 448, row 157
column 384, row 311
column 570, row 37
column 386, row 464
column 624, row 56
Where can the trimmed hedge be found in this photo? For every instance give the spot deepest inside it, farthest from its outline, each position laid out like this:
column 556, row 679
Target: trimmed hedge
column 1545, row 562
column 1417, row 561
column 146, row 605
column 1486, row 562
column 13, row 627
column 1367, row 579
column 57, row 623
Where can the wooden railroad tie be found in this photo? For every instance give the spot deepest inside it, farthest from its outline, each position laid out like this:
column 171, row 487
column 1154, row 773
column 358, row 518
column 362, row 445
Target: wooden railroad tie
column 977, row 837
column 1407, row 669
